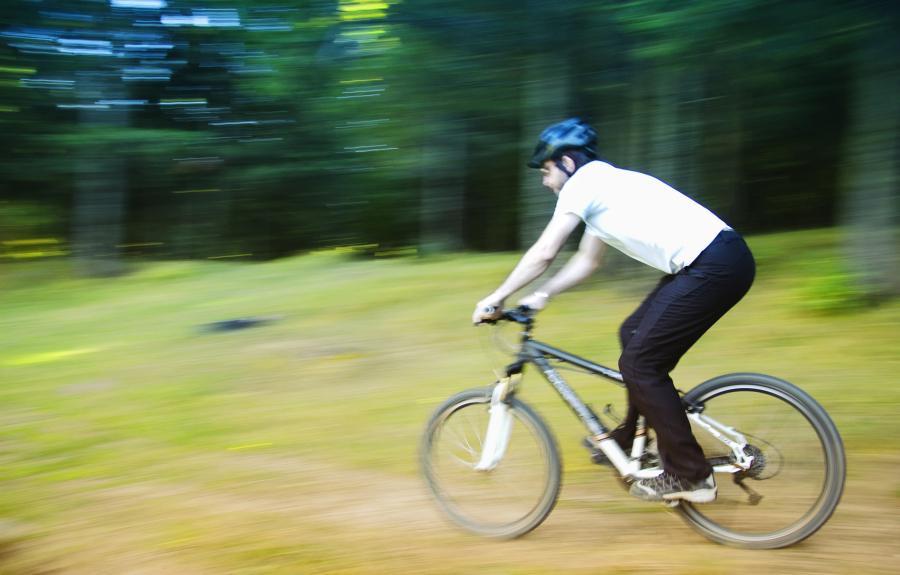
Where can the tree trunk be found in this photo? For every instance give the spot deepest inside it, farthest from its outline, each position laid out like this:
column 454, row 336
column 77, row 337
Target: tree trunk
column 722, row 152
column 671, row 118
column 545, row 101
column 663, row 143
column 99, row 204
column 443, row 187
column 871, row 172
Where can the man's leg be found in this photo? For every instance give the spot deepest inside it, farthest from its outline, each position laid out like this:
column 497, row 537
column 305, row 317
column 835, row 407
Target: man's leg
column 624, row 434
column 678, row 315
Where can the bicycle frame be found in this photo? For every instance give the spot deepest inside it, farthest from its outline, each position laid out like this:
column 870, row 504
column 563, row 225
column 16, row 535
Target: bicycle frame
column 537, row 353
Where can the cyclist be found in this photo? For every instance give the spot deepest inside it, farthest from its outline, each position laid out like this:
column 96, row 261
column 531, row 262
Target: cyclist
column 708, row 269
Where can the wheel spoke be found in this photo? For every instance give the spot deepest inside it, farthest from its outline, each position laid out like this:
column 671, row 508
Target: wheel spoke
column 510, row 499
column 796, row 477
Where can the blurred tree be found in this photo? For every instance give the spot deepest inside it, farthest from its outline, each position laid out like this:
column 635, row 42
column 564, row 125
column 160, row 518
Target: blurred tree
column 375, row 152
column 443, row 185
column 232, row 128
column 100, row 177
column 545, row 100
column 230, row 76
column 871, row 163
column 99, row 202
column 548, row 57
column 683, row 115
column 462, row 81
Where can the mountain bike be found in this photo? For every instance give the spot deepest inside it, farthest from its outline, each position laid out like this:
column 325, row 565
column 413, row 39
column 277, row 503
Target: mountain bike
column 494, row 468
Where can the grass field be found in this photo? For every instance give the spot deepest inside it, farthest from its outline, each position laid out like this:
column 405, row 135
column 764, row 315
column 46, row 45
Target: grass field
column 133, row 439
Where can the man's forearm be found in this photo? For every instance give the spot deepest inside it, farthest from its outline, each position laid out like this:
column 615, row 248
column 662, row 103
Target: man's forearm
column 529, row 268
column 539, row 257
column 579, row 267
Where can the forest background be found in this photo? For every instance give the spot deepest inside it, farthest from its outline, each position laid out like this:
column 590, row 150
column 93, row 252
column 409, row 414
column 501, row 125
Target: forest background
column 254, row 130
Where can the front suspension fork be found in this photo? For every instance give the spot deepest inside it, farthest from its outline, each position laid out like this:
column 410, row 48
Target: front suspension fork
column 496, row 439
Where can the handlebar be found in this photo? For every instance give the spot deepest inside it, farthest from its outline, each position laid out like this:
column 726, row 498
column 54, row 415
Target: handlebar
column 522, row 314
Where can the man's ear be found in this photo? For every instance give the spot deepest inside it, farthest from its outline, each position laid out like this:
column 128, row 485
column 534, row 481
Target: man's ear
column 569, row 163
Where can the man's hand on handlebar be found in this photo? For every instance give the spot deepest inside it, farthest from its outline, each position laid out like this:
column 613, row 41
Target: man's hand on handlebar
column 536, row 301
column 490, row 308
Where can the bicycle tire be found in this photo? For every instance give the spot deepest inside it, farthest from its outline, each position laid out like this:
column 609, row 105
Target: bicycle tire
column 506, row 502
column 800, row 478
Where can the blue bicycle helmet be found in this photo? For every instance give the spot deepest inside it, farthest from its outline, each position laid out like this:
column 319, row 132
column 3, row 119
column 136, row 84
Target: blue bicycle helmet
column 566, row 135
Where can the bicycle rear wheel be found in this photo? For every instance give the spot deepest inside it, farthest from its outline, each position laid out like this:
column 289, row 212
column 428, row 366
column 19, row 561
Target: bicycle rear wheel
column 507, row 501
column 796, row 481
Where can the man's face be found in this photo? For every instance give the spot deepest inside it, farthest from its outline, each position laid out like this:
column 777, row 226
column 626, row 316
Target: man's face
column 554, row 178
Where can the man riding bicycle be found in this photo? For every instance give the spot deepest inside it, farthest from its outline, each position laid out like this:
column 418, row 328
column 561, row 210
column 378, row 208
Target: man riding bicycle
column 708, row 269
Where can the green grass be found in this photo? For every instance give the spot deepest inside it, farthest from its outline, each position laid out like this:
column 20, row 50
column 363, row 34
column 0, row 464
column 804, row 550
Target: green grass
column 118, row 404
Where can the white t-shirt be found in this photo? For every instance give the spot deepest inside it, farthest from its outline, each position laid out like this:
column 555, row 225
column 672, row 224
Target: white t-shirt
column 639, row 215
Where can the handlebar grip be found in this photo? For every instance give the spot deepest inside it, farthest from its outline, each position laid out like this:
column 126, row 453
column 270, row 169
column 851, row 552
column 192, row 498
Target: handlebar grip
column 521, row 314
column 488, row 311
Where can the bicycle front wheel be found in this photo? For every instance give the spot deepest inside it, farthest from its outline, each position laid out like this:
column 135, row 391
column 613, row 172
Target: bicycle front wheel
column 507, row 501
column 797, row 477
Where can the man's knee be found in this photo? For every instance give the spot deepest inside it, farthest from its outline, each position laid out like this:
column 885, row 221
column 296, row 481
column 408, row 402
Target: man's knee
column 644, row 369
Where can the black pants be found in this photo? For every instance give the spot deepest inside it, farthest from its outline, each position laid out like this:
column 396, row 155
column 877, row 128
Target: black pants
column 677, row 312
